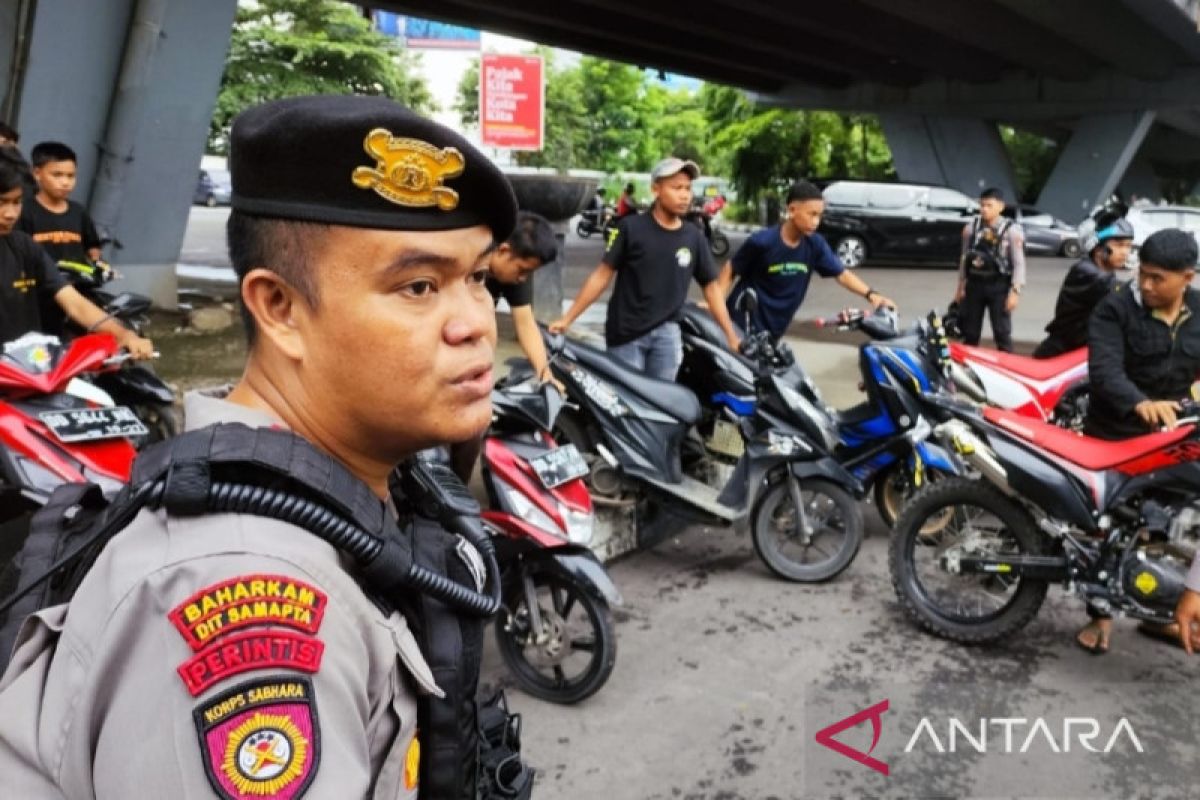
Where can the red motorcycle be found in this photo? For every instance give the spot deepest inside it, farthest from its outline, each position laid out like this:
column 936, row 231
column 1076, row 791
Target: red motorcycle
column 1115, row 523
column 1049, row 389
column 555, row 631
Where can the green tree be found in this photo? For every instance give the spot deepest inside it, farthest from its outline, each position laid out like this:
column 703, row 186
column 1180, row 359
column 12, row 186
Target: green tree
column 283, row 48
column 1032, row 157
column 613, row 130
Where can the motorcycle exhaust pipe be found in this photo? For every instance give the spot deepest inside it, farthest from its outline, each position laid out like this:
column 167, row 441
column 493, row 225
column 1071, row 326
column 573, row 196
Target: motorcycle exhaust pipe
column 966, row 382
column 975, row 452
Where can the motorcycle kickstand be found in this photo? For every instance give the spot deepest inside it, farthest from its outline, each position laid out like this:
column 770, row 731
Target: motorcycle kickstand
column 803, row 529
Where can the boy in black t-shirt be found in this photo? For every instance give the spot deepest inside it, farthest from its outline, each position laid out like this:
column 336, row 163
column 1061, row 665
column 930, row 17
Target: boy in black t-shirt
column 27, row 274
column 57, row 223
column 654, row 257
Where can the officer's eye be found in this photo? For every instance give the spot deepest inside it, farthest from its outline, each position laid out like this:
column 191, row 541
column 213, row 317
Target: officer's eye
column 419, row 288
column 478, row 277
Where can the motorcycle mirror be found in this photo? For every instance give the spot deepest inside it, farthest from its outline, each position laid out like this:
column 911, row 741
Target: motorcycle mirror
column 748, row 301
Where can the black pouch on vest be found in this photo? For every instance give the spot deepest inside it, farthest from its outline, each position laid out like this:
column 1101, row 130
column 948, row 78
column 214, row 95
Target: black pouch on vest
column 502, row 772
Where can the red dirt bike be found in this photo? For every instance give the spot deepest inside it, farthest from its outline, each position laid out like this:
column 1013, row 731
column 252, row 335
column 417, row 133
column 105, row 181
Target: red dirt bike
column 1049, row 389
column 1113, row 522
column 555, row 631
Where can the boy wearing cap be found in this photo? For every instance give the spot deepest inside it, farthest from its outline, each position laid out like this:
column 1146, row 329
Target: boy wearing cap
column 777, row 263
column 654, row 258
column 371, row 336
column 991, row 271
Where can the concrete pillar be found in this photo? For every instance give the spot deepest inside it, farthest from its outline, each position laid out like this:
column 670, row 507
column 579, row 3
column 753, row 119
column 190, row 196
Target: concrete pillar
column 1094, row 160
column 963, row 153
column 1139, row 179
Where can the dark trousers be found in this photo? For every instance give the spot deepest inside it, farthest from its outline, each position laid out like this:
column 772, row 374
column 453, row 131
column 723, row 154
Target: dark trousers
column 990, row 296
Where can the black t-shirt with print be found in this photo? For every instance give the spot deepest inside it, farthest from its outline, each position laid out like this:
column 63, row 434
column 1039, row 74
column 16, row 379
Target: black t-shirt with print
column 654, row 267
column 27, row 275
column 66, row 236
column 517, row 294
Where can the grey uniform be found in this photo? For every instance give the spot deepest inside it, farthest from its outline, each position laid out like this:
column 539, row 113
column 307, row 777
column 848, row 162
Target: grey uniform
column 223, row 655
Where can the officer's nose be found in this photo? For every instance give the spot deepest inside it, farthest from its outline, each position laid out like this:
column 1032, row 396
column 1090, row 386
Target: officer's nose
column 471, row 318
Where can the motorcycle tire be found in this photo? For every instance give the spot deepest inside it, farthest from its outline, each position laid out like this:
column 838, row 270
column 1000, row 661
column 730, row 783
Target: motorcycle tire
column 719, row 245
column 562, row 595
column 582, row 230
column 776, row 496
column 890, row 498
column 952, row 492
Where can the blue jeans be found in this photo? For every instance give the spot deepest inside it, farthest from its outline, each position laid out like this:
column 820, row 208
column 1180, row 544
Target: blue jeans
column 657, row 353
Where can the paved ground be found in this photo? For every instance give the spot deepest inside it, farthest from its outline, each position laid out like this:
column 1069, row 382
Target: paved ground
column 725, row 674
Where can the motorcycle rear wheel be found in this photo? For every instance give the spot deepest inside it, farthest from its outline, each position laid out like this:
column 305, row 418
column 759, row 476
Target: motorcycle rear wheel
column 582, row 230
column 577, row 624
column 719, row 244
column 974, row 608
column 835, row 517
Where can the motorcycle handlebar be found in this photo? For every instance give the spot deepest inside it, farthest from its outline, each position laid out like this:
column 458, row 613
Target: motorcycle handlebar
column 847, row 320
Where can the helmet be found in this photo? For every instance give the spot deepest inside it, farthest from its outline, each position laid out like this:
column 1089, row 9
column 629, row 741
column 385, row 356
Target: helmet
column 1093, row 233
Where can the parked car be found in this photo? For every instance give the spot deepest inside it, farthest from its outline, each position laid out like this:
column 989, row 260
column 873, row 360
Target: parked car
column 1148, row 219
column 894, row 221
column 213, row 188
column 1045, row 234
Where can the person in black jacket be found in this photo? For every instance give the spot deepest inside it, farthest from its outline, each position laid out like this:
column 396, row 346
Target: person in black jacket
column 1143, row 355
column 1086, row 284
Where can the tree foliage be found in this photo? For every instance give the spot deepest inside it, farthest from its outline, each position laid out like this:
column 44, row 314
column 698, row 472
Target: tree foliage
column 284, row 48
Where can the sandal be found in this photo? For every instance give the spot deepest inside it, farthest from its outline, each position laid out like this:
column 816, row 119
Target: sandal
column 1165, row 632
column 1098, row 645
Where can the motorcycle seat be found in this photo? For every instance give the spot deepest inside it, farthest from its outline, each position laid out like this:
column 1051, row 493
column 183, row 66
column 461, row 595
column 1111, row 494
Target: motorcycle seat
column 671, row 398
column 1085, row 451
column 1036, row 369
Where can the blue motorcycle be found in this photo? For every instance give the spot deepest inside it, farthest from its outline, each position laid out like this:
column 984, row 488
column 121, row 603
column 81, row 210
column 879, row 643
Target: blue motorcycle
column 883, row 441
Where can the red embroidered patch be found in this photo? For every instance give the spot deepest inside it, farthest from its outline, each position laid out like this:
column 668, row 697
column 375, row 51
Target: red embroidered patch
column 261, row 739
column 246, row 601
column 246, row 651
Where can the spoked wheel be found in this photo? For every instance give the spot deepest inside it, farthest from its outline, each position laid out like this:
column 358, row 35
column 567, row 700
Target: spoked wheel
column 967, row 608
column 895, row 487
column 852, row 251
column 813, row 545
column 572, row 654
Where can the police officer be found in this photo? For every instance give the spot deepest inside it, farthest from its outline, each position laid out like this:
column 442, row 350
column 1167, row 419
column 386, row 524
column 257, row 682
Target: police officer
column 991, row 271
column 1085, row 285
column 236, row 656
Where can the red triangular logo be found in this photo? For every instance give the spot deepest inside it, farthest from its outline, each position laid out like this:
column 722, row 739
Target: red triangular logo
column 874, row 713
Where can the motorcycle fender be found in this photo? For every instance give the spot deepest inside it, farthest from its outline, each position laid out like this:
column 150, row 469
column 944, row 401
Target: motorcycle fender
column 581, row 565
column 830, row 470
column 936, row 456
column 134, row 384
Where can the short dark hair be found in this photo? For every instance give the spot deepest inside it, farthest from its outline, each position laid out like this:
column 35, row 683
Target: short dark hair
column 992, row 193
column 282, row 246
column 629, row 187
column 45, row 152
column 14, row 172
column 1171, row 249
column 803, row 190
column 9, row 132
column 533, row 238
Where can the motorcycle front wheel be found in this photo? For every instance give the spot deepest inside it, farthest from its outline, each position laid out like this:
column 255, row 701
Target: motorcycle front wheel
column 719, row 244
column 573, row 654
column 582, row 230
column 822, row 545
column 967, row 608
column 895, row 487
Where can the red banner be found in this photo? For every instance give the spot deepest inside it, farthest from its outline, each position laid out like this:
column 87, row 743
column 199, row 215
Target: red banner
column 512, row 101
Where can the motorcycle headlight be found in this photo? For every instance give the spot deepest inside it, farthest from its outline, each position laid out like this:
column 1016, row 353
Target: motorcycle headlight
column 580, row 524
column 523, row 508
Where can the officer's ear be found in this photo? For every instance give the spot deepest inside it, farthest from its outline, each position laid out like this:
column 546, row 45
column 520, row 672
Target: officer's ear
column 277, row 307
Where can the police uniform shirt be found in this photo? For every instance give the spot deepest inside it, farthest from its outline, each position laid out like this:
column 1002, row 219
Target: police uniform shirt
column 27, row 277
column 225, row 655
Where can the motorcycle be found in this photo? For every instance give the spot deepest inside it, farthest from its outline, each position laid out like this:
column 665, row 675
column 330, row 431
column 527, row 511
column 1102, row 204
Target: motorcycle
column 1111, row 521
column 1050, row 389
column 718, row 242
column 883, row 441
column 633, row 430
column 595, row 220
column 135, row 386
column 556, row 631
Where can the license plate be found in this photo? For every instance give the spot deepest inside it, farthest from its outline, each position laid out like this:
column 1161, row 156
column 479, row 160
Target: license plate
column 92, row 424
column 559, row 466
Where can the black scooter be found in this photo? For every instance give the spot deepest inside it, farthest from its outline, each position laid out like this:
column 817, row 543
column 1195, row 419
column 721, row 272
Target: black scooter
column 638, row 436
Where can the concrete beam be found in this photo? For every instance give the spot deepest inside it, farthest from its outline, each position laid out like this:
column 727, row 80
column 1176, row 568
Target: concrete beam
column 966, row 154
column 1093, row 162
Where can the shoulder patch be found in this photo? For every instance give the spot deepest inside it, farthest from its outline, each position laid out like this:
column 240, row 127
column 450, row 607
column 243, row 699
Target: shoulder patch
column 260, row 739
column 247, row 651
column 246, row 601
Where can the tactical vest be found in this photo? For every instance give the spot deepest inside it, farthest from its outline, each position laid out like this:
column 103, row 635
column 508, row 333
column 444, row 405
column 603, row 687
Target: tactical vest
column 233, row 468
column 985, row 260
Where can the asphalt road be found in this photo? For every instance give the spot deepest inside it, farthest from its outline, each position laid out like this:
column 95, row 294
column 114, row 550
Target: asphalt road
column 725, row 674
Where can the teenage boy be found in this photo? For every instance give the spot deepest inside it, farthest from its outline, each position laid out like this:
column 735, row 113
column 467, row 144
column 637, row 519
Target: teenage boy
column 654, row 258
column 778, row 262
column 55, row 221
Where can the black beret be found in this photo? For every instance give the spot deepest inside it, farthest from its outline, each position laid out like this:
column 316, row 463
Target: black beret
column 367, row 162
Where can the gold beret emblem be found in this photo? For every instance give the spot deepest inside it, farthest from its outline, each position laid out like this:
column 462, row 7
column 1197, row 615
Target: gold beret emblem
column 409, row 172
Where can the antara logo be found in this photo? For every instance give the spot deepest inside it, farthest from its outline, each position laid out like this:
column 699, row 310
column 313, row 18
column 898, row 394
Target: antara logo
column 1004, row 735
